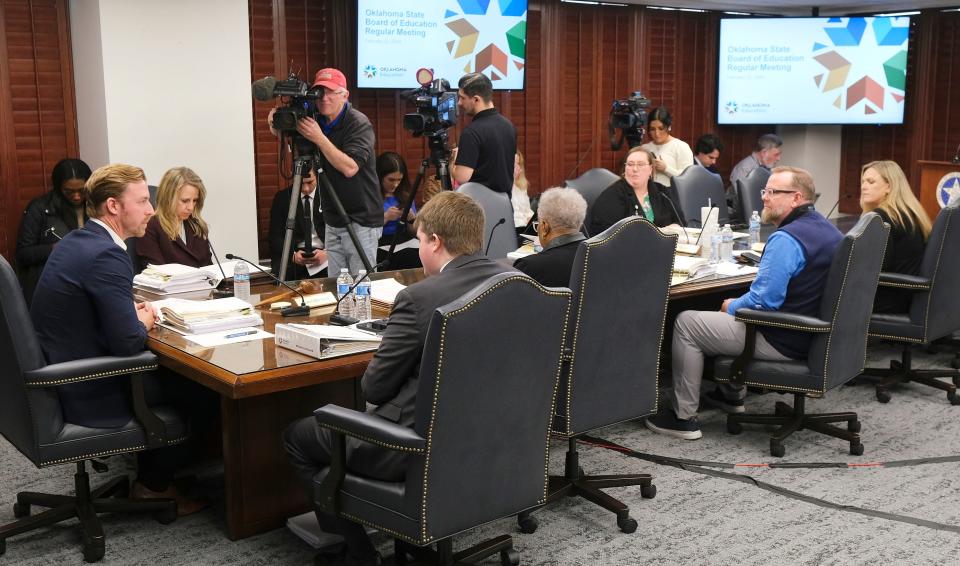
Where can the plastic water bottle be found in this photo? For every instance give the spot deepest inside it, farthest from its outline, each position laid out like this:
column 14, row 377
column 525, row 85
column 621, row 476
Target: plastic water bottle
column 754, row 228
column 344, row 281
column 715, row 245
column 241, row 281
column 363, row 297
column 726, row 243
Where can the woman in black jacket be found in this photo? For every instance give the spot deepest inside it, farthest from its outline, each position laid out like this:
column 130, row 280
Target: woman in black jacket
column 635, row 194
column 48, row 218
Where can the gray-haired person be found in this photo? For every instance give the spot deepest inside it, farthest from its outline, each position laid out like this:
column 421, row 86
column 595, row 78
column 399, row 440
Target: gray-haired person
column 561, row 214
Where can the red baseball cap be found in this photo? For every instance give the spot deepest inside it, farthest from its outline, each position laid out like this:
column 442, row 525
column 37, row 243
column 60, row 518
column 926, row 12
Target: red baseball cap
column 330, row 78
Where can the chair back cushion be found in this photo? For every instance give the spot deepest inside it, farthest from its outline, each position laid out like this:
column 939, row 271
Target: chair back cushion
column 620, row 283
column 498, row 218
column 488, row 380
column 694, row 187
column 590, row 185
column 19, row 352
column 939, row 311
column 748, row 192
column 839, row 355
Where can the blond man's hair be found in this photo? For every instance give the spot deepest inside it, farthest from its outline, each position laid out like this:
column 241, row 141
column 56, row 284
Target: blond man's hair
column 109, row 181
column 801, row 181
column 457, row 219
column 167, row 195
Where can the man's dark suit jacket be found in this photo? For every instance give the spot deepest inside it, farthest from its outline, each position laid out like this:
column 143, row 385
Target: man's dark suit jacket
column 278, row 224
column 157, row 248
column 392, row 378
column 552, row 266
column 83, row 307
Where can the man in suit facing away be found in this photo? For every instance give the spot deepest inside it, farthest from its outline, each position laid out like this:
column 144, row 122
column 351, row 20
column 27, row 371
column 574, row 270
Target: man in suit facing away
column 83, row 307
column 561, row 214
column 450, row 231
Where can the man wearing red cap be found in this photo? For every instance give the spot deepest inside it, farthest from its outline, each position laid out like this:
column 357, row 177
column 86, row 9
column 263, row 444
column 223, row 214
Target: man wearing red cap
column 345, row 139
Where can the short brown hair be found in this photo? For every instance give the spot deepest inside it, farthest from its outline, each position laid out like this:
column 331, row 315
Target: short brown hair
column 801, row 181
column 109, row 181
column 457, row 219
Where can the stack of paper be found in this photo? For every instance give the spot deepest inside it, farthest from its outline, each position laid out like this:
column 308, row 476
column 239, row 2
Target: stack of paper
column 383, row 292
column 198, row 317
column 175, row 278
column 686, row 268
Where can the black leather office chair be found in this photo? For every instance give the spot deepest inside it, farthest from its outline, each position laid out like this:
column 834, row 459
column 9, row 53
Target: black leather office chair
column 590, row 184
column 836, row 354
column 32, row 421
column 132, row 242
column 748, row 192
column 934, row 310
column 621, row 283
column 695, row 187
column 499, row 235
column 480, row 446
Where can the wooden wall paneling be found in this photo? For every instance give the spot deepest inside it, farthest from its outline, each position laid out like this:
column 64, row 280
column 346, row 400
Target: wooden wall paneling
column 945, row 113
column 551, row 97
column 37, row 104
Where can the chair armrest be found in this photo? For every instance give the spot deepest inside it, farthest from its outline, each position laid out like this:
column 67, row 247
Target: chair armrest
column 783, row 320
column 902, row 281
column 371, row 428
column 89, row 369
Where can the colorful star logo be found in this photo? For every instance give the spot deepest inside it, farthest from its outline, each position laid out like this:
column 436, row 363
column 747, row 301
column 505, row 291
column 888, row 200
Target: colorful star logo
column 370, row 71
column 503, row 40
column 731, row 108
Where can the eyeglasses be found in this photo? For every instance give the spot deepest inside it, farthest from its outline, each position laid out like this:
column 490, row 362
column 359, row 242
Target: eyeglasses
column 536, row 226
column 327, row 92
column 637, row 164
column 771, row 192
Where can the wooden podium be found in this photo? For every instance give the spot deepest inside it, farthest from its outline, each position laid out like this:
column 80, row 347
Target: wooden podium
column 930, row 174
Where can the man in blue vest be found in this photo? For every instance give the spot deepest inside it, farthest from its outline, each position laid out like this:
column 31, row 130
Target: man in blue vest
column 793, row 272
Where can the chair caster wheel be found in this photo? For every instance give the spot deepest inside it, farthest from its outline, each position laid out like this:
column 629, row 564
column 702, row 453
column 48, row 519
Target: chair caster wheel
column 883, row 396
column 509, row 557
column 953, row 397
column 21, row 510
column 856, row 449
column 93, row 552
column 166, row 517
column 777, row 449
column 733, row 427
column 853, row 426
column 528, row 524
column 627, row 525
column 648, row 491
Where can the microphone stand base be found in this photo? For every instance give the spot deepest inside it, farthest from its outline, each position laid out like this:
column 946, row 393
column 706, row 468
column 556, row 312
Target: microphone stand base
column 224, row 292
column 338, row 319
column 295, row 311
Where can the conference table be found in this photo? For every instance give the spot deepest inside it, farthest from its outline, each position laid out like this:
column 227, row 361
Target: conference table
column 263, row 388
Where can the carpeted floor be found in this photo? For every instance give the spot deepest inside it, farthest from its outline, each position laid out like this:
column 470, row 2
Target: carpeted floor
column 695, row 518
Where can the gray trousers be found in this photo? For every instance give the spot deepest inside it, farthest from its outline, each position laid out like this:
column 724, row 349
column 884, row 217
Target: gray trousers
column 697, row 334
column 340, row 250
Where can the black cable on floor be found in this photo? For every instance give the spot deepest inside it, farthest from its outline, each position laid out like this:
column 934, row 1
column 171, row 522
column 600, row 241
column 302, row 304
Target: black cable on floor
column 701, row 467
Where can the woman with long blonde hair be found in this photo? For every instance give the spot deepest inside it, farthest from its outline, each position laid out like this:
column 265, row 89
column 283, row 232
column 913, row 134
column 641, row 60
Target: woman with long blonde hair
column 884, row 189
column 178, row 232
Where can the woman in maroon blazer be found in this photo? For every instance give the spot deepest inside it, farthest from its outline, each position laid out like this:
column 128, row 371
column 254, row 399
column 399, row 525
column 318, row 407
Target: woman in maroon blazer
column 177, row 233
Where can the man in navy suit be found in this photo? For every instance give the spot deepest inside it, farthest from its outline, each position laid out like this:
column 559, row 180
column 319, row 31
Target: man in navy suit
column 450, row 231
column 83, row 307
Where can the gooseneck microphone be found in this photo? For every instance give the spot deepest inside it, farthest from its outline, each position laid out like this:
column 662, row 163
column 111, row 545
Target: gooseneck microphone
column 224, row 289
column 338, row 319
column 302, row 310
column 834, row 207
column 680, row 218
column 490, row 238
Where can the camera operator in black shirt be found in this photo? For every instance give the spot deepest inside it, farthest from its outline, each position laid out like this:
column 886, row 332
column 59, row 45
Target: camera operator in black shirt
column 488, row 145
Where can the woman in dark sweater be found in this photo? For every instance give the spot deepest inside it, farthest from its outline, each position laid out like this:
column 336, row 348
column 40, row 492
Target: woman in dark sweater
column 635, row 194
column 884, row 189
column 48, row 218
column 177, row 233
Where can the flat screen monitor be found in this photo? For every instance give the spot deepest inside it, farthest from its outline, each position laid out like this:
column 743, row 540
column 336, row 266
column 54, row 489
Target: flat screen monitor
column 395, row 38
column 812, row 70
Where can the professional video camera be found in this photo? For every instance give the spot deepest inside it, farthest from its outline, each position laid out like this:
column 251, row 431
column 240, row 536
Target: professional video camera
column 302, row 100
column 629, row 115
column 436, row 109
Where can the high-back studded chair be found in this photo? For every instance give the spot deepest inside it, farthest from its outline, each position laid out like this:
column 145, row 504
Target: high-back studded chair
column 696, row 187
column 836, row 354
column 748, row 192
column 32, row 421
column 934, row 310
column 480, row 447
column 590, row 184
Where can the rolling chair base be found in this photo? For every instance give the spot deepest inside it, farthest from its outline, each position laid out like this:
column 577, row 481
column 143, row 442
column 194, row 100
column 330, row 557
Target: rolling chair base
column 903, row 372
column 575, row 483
column 444, row 555
column 792, row 419
column 85, row 506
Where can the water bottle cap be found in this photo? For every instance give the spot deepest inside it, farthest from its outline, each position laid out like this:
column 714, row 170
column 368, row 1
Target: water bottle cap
column 343, row 270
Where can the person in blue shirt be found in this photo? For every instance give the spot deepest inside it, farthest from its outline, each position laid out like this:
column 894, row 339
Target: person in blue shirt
column 395, row 187
column 792, row 274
